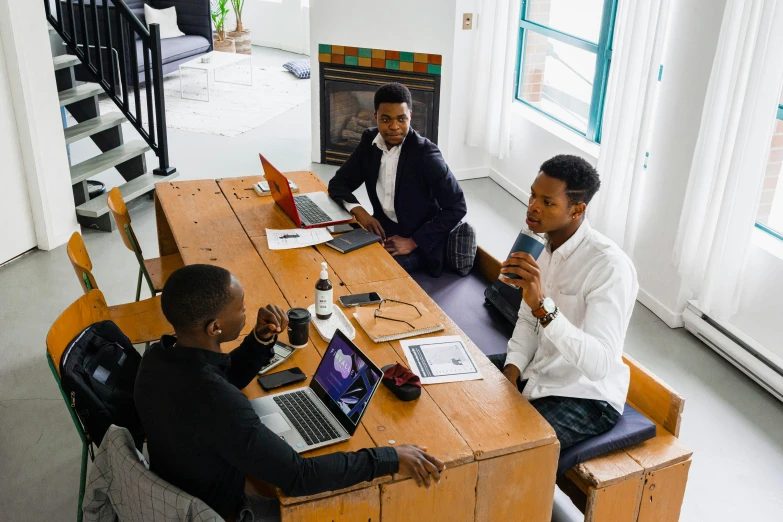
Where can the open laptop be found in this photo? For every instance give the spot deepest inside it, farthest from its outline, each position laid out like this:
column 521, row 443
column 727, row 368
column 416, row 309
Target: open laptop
column 329, row 410
column 315, row 209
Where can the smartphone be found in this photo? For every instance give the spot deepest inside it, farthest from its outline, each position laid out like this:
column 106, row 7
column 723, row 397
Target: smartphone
column 349, row 301
column 343, row 227
column 281, row 352
column 278, row 379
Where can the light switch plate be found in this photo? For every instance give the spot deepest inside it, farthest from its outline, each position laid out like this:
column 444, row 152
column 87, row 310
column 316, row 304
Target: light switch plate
column 467, row 21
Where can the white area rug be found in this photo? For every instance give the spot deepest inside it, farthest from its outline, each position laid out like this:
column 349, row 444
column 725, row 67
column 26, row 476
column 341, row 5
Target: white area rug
column 232, row 109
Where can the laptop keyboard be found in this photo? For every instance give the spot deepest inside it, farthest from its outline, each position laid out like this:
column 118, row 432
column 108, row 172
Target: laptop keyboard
column 306, row 418
column 311, row 211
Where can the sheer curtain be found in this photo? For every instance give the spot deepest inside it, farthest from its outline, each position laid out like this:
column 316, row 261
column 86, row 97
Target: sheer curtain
column 628, row 114
column 731, row 152
column 494, row 56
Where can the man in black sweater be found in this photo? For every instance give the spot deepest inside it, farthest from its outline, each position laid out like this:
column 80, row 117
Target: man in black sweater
column 416, row 199
column 203, row 435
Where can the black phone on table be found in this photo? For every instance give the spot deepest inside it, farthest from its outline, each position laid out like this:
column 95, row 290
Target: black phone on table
column 342, row 227
column 349, row 301
column 283, row 378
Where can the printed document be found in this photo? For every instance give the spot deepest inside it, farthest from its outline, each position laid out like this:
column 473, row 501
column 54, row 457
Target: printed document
column 440, row 359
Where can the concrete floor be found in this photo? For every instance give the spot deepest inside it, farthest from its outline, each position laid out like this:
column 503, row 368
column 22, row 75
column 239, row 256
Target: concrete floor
column 733, row 426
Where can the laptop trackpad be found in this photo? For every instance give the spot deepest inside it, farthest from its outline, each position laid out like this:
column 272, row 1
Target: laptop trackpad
column 276, row 422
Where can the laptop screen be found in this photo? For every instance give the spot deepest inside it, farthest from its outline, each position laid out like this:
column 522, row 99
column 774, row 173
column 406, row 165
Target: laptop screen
column 349, row 379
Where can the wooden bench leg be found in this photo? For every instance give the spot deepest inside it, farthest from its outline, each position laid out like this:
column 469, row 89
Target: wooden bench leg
column 361, row 505
column 617, row 502
column 663, row 493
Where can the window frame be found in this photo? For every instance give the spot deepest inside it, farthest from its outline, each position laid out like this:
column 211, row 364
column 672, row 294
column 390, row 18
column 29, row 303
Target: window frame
column 603, row 57
column 761, row 226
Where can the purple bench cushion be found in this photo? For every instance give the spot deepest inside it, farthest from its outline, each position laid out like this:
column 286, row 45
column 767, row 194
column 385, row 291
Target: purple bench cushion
column 175, row 49
column 462, row 298
column 633, row 428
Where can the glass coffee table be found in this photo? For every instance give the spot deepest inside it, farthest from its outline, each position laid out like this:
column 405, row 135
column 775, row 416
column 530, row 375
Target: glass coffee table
column 220, row 64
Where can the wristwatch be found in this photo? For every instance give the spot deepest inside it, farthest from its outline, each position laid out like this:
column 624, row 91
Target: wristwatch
column 546, row 311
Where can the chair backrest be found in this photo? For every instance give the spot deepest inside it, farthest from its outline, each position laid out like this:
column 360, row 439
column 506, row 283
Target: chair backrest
column 80, row 260
column 122, row 217
column 88, row 309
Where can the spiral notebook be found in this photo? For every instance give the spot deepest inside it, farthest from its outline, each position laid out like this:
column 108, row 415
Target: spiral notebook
column 397, row 321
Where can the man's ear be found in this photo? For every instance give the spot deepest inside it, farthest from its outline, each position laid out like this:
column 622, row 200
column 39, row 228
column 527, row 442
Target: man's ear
column 213, row 328
column 578, row 210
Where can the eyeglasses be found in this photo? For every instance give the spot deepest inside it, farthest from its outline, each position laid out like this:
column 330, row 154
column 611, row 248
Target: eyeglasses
column 377, row 314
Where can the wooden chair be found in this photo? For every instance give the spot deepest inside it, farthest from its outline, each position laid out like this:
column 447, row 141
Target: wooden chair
column 142, row 321
column 643, row 483
column 156, row 270
column 89, row 309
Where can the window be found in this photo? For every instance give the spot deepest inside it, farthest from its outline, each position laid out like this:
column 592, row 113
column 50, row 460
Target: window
column 770, row 214
column 565, row 48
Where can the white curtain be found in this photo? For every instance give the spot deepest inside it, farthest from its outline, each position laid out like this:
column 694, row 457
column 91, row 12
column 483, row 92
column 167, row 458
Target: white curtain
column 492, row 93
column 628, row 117
column 731, row 153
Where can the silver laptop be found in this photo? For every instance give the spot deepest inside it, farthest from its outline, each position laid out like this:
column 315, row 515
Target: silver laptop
column 329, row 410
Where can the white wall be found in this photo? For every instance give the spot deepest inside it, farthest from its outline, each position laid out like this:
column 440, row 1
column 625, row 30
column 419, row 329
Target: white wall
column 14, row 198
column 281, row 24
column 694, row 28
column 28, row 57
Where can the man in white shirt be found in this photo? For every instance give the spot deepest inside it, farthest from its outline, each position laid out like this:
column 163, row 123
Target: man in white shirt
column 416, row 199
column 565, row 355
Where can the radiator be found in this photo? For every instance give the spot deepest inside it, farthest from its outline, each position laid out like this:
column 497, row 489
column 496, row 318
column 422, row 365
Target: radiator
column 753, row 359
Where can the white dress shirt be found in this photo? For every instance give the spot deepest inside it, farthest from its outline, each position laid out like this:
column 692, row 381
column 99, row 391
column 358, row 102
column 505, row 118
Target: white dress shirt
column 387, row 178
column 579, row 354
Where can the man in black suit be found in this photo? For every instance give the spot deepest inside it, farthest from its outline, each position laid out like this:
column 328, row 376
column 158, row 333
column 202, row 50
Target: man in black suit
column 415, row 198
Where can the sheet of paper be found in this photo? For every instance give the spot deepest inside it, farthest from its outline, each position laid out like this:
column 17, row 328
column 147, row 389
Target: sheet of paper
column 296, row 237
column 440, row 359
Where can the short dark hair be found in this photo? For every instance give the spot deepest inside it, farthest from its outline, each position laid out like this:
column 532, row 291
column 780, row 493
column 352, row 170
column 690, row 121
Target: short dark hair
column 195, row 295
column 393, row 93
column 581, row 178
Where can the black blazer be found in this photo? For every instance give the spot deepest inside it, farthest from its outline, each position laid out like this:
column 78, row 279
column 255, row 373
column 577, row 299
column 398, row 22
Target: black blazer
column 428, row 200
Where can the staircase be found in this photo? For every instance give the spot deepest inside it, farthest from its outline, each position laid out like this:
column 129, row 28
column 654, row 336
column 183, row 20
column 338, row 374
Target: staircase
column 89, row 24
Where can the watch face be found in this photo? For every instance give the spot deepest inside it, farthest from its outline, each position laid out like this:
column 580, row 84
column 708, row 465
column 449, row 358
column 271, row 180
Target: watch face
column 549, row 305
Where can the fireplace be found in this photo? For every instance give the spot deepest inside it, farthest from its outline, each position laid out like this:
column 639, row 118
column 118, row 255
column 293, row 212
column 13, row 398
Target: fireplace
column 349, row 77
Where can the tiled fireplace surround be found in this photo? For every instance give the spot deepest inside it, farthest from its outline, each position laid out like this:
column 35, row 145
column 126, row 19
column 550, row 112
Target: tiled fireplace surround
column 349, row 77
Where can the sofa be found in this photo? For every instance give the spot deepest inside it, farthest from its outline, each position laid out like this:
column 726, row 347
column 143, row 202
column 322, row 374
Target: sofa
column 193, row 19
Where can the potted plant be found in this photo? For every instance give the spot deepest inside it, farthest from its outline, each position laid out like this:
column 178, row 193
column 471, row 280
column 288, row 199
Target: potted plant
column 240, row 35
column 218, row 12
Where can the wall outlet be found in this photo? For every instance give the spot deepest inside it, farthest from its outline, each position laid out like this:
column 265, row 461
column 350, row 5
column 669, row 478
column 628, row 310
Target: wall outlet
column 467, row 21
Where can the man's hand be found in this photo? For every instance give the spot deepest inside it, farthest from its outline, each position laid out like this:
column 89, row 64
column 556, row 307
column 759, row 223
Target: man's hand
column 523, row 265
column 512, row 373
column 369, row 223
column 399, row 246
column 271, row 321
column 418, row 465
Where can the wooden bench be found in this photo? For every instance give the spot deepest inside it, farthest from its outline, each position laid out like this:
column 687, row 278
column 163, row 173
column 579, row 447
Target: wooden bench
column 644, row 483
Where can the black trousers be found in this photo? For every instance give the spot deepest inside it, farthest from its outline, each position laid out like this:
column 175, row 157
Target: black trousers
column 573, row 419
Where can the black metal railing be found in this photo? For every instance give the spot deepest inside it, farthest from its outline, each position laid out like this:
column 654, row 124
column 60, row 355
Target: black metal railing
column 112, row 35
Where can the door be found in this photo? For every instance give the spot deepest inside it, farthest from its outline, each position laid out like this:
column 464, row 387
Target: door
column 17, row 232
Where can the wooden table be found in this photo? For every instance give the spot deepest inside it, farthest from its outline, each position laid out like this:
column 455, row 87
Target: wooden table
column 500, row 454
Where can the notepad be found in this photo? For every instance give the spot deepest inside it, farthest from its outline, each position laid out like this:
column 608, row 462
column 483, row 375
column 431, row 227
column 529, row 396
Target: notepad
column 389, row 327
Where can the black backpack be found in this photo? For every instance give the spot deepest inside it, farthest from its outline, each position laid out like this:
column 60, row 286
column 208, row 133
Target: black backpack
column 98, row 373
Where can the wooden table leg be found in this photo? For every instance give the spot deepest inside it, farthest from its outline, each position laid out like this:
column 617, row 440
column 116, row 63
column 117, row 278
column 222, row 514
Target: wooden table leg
column 519, row 486
column 663, row 492
column 166, row 243
column 452, row 500
column 361, row 505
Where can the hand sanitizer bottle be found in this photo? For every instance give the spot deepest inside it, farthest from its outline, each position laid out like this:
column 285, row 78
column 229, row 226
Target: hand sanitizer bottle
column 323, row 295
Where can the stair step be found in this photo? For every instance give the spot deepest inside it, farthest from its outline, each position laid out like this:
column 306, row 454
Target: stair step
column 79, row 93
column 64, row 61
column 93, row 126
column 131, row 190
column 110, row 158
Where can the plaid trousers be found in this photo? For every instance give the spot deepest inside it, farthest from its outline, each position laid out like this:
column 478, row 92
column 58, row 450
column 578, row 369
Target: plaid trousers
column 573, row 420
column 411, row 262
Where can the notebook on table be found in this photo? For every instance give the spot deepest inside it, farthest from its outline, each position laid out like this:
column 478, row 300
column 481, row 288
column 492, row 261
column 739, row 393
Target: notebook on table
column 353, row 240
column 395, row 320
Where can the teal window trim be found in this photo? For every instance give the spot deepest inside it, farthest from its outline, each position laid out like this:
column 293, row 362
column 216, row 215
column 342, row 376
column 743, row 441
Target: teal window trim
column 602, row 49
column 761, row 226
